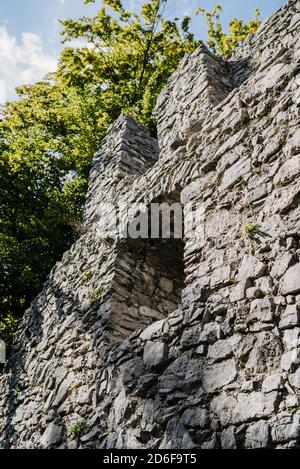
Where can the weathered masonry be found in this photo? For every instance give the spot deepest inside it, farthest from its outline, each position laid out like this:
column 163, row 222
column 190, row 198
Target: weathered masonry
column 149, row 279
column 138, row 343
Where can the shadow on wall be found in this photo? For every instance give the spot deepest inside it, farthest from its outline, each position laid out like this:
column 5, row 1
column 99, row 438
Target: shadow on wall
column 149, row 273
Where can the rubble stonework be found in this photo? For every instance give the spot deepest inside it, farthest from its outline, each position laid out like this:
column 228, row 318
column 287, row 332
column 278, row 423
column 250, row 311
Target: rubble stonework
column 168, row 344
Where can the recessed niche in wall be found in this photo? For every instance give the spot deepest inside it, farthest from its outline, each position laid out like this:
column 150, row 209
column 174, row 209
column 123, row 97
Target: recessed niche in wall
column 149, row 278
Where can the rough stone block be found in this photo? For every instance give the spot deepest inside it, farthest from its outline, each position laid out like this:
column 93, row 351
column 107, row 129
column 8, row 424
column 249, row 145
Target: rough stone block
column 235, row 173
column 220, row 276
column 288, row 360
column 257, row 435
column 51, row 436
column 153, row 331
column 196, row 418
column 272, row 383
column 291, row 338
column 286, row 429
column 262, row 310
column 291, row 281
column 242, row 407
column 228, row 438
column 251, row 268
column 155, row 354
column 288, row 170
column 223, row 349
column 219, row 375
column 290, row 317
column 294, row 379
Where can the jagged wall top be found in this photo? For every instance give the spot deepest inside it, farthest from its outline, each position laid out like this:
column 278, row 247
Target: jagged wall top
column 202, row 81
column 126, row 153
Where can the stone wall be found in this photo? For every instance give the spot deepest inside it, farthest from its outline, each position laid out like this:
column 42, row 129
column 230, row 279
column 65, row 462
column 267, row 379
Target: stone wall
column 97, row 364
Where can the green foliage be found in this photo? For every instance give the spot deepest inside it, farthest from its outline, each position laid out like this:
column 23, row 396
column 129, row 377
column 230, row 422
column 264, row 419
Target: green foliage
column 250, row 229
column 76, row 429
column 8, row 326
column 96, row 294
column 127, row 59
column 17, row 392
column 87, row 276
column 222, row 43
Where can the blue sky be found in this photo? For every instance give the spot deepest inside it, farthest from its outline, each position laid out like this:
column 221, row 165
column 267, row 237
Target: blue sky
column 30, row 40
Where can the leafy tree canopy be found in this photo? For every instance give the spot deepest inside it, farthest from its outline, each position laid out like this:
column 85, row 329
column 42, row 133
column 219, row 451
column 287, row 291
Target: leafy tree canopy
column 222, row 43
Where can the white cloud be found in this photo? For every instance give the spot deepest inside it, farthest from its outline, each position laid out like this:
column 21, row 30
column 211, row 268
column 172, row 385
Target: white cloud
column 22, row 62
column 79, row 44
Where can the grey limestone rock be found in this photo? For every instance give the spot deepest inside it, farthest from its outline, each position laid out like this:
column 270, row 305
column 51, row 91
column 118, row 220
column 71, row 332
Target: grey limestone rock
column 155, row 354
column 51, row 436
column 291, row 281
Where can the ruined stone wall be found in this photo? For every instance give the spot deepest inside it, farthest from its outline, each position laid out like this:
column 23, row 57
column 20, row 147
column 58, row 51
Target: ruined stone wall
column 222, row 369
column 148, row 283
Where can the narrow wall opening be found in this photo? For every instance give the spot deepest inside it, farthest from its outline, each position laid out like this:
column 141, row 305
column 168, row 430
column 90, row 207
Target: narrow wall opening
column 149, row 276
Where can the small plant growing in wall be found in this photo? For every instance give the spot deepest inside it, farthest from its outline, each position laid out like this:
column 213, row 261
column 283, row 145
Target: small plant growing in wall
column 87, row 276
column 17, row 392
column 76, row 429
column 280, row 184
column 250, row 229
column 96, row 294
